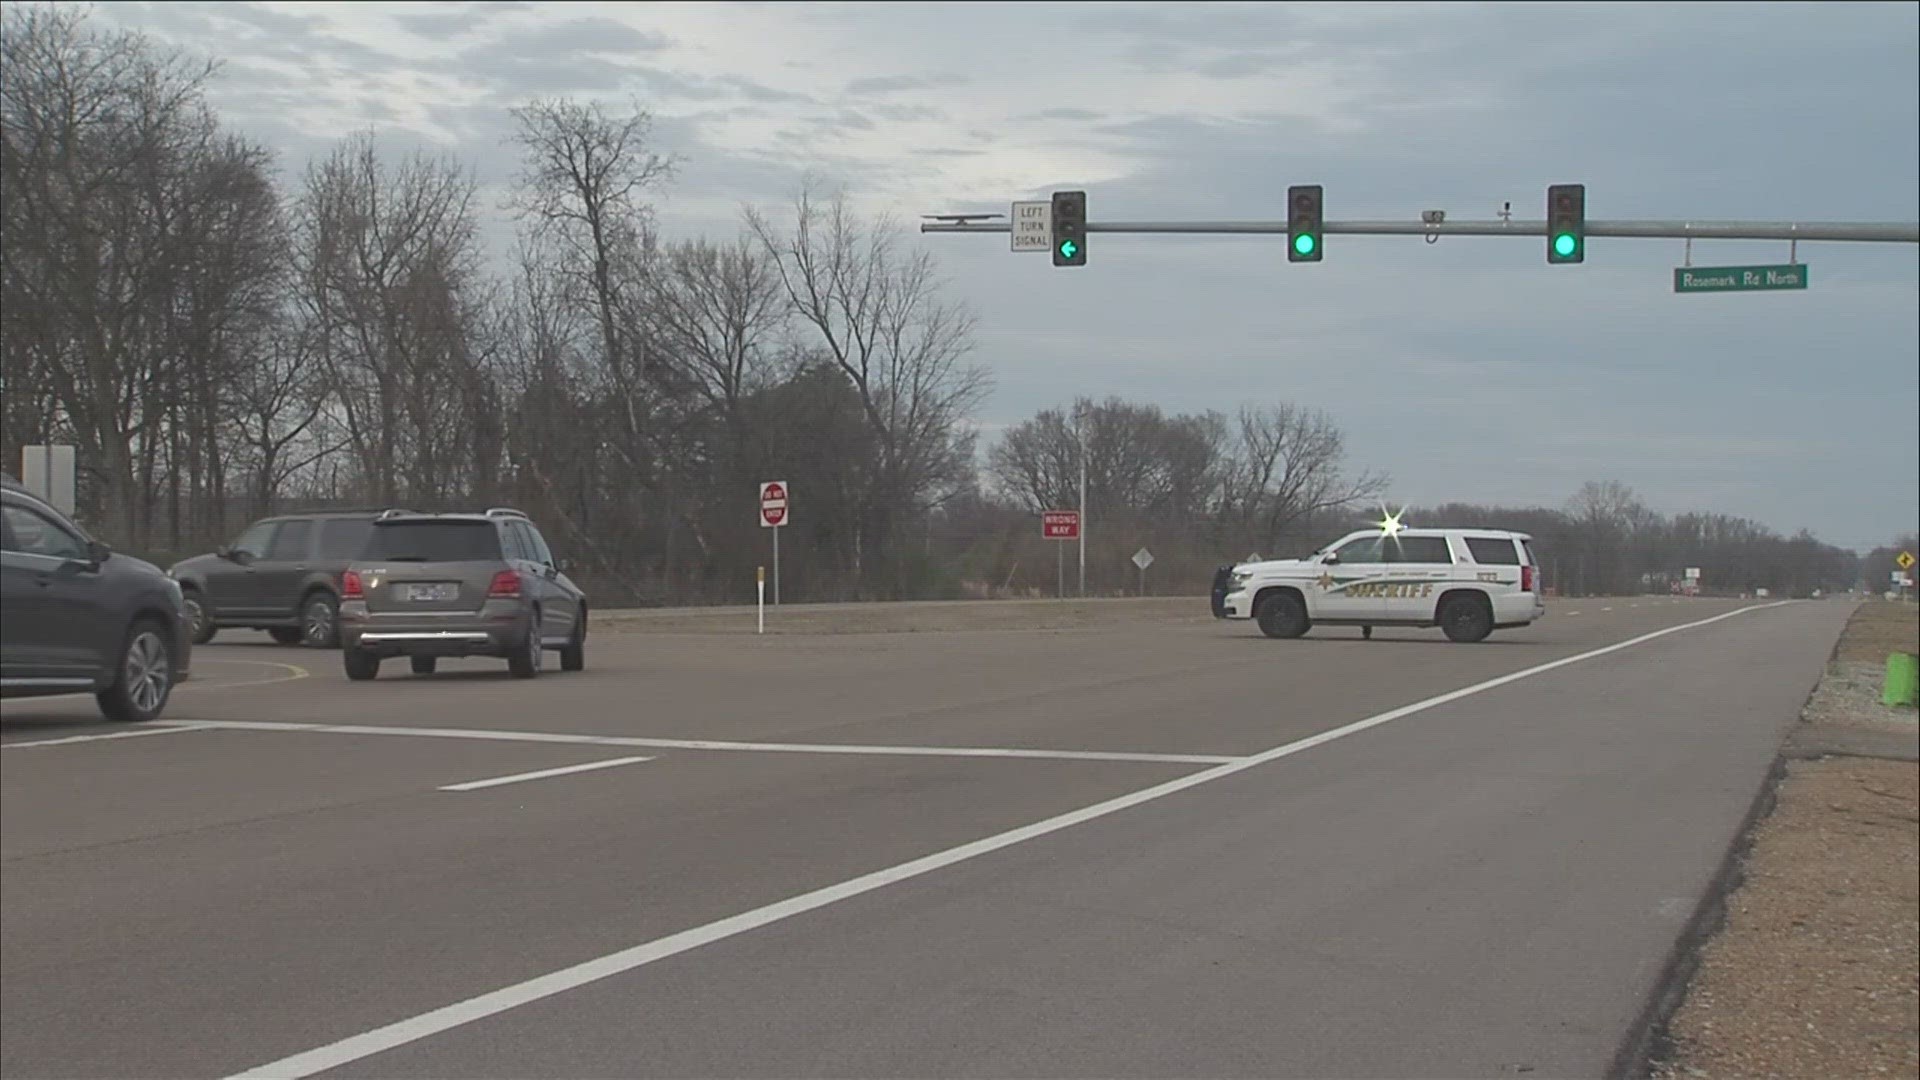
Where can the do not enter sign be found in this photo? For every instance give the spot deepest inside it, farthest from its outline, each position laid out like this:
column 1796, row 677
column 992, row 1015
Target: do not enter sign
column 773, row 504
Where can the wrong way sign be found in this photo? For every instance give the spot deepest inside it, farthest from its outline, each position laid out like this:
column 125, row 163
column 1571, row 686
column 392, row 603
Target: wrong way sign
column 773, row 504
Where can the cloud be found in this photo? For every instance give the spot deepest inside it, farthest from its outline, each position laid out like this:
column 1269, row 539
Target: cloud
column 893, row 84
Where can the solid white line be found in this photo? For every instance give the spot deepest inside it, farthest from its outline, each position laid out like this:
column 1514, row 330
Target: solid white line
column 476, row 785
column 99, row 738
column 412, row 1029
column 709, row 744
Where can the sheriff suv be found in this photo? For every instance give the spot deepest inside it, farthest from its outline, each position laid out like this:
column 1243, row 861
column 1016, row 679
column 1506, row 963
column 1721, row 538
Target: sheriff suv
column 1467, row 582
column 434, row 585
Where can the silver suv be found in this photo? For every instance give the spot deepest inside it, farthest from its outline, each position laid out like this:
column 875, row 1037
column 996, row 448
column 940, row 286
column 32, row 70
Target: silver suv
column 434, row 585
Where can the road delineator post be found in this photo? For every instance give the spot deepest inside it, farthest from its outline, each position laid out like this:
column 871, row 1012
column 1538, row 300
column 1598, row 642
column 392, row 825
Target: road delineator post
column 1902, row 685
column 760, row 585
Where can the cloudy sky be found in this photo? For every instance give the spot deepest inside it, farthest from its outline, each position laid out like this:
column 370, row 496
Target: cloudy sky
column 1468, row 369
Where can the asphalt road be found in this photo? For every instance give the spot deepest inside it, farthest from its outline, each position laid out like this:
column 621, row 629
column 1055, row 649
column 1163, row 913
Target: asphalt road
column 1050, row 853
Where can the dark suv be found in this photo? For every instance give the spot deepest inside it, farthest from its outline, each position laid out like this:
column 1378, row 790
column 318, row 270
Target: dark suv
column 74, row 616
column 433, row 585
column 282, row 576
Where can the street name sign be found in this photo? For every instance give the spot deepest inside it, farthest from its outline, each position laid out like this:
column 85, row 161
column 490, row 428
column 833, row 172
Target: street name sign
column 1705, row 279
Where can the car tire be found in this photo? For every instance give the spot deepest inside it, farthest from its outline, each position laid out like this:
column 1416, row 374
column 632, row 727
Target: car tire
column 1282, row 615
column 424, row 665
column 524, row 661
column 361, row 665
column 1466, row 619
column 199, row 616
column 143, row 675
column 573, row 655
column 320, row 621
column 284, row 635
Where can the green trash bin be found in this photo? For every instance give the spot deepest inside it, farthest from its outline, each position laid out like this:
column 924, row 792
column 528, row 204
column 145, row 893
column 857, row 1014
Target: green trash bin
column 1903, row 680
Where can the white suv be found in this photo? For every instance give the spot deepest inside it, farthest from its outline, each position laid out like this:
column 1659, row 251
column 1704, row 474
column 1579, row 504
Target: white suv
column 1468, row 582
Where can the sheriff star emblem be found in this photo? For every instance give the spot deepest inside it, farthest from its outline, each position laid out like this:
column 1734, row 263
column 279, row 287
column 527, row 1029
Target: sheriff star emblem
column 1326, row 580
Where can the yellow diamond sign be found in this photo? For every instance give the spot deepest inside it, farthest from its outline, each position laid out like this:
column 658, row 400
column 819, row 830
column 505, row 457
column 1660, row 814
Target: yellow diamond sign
column 1905, row 559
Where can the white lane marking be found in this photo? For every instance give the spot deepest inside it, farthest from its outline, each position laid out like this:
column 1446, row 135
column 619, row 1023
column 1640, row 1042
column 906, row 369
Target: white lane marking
column 476, row 785
column 1606, row 609
column 379, row 1040
column 167, row 730
column 1571, row 613
column 709, row 744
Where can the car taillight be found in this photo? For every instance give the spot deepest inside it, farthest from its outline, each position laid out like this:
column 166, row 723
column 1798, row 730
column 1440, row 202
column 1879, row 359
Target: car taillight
column 350, row 587
column 506, row 586
column 1526, row 579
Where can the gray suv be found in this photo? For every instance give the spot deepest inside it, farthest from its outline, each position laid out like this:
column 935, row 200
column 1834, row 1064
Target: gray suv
column 434, row 585
column 282, row 576
column 74, row 616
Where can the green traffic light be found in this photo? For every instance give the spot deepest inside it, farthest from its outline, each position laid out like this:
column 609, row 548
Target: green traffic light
column 1304, row 243
column 1564, row 245
column 1068, row 247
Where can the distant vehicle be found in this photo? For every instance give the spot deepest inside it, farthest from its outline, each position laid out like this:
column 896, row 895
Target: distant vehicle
column 1467, row 582
column 434, row 585
column 282, row 576
column 76, row 617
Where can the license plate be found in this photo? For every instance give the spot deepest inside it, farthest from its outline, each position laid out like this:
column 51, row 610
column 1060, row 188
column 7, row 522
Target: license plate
column 439, row 590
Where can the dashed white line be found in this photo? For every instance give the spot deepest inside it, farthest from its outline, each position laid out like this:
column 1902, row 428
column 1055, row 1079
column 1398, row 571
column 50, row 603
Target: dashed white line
column 565, row 770
column 710, row 744
column 414, row 1028
column 168, row 730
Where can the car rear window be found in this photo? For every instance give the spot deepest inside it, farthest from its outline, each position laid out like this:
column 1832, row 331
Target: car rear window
column 433, row 541
column 1418, row 549
column 1492, row 551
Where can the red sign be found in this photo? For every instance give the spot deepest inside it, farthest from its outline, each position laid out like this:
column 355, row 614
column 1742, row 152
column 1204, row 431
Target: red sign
column 1060, row 524
column 773, row 504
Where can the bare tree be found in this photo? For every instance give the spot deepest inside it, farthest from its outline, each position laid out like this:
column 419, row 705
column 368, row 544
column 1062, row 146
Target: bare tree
column 876, row 311
column 1291, row 468
column 99, row 128
column 386, row 255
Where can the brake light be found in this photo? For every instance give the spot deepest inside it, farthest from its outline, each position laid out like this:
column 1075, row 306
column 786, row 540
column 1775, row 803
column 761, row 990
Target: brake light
column 350, row 587
column 1526, row 579
column 506, row 586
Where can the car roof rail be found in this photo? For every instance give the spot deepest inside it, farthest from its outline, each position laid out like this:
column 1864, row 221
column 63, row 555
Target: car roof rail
column 393, row 512
column 505, row 511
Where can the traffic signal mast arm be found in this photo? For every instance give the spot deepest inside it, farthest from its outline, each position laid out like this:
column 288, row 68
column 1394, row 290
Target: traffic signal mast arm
column 1889, row 232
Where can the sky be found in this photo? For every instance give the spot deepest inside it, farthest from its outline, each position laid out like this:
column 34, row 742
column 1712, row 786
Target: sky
column 1469, row 370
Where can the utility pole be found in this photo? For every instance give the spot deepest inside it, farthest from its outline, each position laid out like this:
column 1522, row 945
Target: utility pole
column 1083, row 503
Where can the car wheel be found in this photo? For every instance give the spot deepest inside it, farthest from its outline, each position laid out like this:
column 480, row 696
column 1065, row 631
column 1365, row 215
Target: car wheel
column 573, row 655
column 361, row 665
column 320, row 621
column 144, row 678
column 525, row 661
column 199, row 616
column 1466, row 619
column 425, row 665
column 284, row 635
column 1282, row 615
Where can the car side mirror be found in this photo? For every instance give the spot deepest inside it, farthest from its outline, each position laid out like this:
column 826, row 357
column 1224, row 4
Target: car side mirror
column 1331, row 558
column 98, row 552
column 562, row 565
column 224, row 551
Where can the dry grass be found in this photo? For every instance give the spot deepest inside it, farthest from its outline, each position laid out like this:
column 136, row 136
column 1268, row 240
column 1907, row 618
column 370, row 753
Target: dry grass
column 1880, row 627
column 915, row 616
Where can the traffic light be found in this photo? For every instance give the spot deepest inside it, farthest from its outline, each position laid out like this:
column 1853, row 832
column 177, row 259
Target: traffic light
column 1567, row 223
column 1304, row 223
column 1069, row 228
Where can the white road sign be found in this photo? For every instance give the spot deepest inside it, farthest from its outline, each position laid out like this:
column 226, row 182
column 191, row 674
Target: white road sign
column 1143, row 558
column 1033, row 226
column 1693, row 573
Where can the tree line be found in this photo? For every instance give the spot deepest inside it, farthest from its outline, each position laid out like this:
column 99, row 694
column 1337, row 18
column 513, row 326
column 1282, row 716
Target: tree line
column 220, row 345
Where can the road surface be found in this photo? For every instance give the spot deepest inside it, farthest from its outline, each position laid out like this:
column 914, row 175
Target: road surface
column 1134, row 851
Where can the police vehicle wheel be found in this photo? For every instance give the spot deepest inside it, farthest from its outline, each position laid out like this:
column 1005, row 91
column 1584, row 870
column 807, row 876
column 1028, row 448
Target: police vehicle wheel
column 1466, row 619
column 1282, row 615
column 1366, row 632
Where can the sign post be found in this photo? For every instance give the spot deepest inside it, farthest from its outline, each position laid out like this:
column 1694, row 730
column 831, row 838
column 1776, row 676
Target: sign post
column 1060, row 525
column 1143, row 559
column 774, row 515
